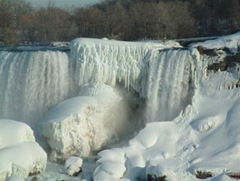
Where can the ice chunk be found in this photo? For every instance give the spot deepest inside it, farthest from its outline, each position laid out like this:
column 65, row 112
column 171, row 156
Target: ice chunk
column 81, row 125
column 14, row 132
column 22, row 160
column 73, row 165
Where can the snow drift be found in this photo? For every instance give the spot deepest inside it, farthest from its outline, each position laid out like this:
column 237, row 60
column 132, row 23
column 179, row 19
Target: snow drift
column 20, row 155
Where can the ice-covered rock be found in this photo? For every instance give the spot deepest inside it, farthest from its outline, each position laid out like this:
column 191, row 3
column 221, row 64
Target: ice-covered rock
column 22, row 160
column 84, row 124
column 14, row 132
column 73, row 165
column 231, row 42
column 20, row 155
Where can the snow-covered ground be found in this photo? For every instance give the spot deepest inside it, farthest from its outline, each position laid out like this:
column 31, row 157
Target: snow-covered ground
column 189, row 113
column 20, row 155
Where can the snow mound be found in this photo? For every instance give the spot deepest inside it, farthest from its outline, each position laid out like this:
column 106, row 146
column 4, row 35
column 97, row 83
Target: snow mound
column 20, row 155
column 81, row 125
column 73, row 165
column 99, row 91
column 221, row 123
column 13, row 133
column 183, row 148
column 154, row 143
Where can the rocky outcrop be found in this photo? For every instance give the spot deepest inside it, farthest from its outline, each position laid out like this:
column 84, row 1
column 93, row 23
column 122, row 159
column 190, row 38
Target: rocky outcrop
column 209, row 52
column 203, row 174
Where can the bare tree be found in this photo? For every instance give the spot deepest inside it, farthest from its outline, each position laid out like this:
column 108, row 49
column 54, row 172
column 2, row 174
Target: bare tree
column 90, row 22
column 117, row 23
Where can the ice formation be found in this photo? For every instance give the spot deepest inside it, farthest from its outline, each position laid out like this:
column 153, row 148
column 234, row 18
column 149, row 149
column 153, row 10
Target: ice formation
column 169, row 85
column 83, row 124
column 160, row 75
column 20, row 155
column 73, row 165
column 112, row 62
column 31, row 83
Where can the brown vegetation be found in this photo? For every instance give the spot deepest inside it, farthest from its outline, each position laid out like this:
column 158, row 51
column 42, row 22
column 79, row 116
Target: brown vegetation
column 234, row 175
column 20, row 23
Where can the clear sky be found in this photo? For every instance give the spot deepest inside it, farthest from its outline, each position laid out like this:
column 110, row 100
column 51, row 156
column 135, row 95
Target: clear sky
column 63, row 3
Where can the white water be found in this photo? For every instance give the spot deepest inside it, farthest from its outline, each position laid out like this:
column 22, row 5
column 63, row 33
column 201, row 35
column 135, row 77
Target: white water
column 31, row 83
column 169, row 84
column 162, row 77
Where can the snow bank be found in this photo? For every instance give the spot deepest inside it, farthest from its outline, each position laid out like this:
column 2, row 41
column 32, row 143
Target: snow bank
column 231, row 42
column 156, row 143
column 20, row 155
column 30, row 159
column 81, row 125
column 13, row 133
column 218, row 128
column 177, row 150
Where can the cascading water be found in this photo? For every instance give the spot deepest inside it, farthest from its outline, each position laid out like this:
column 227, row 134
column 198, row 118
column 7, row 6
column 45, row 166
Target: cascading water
column 31, row 82
column 162, row 77
column 169, row 84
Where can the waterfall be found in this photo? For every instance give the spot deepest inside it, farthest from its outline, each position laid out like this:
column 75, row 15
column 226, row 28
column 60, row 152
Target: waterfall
column 31, row 82
column 169, row 84
column 161, row 76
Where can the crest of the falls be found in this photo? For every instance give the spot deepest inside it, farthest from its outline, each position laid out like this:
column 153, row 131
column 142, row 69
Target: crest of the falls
column 31, row 83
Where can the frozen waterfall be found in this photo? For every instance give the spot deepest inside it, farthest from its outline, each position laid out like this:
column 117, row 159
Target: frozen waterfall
column 169, row 84
column 31, row 82
column 160, row 75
